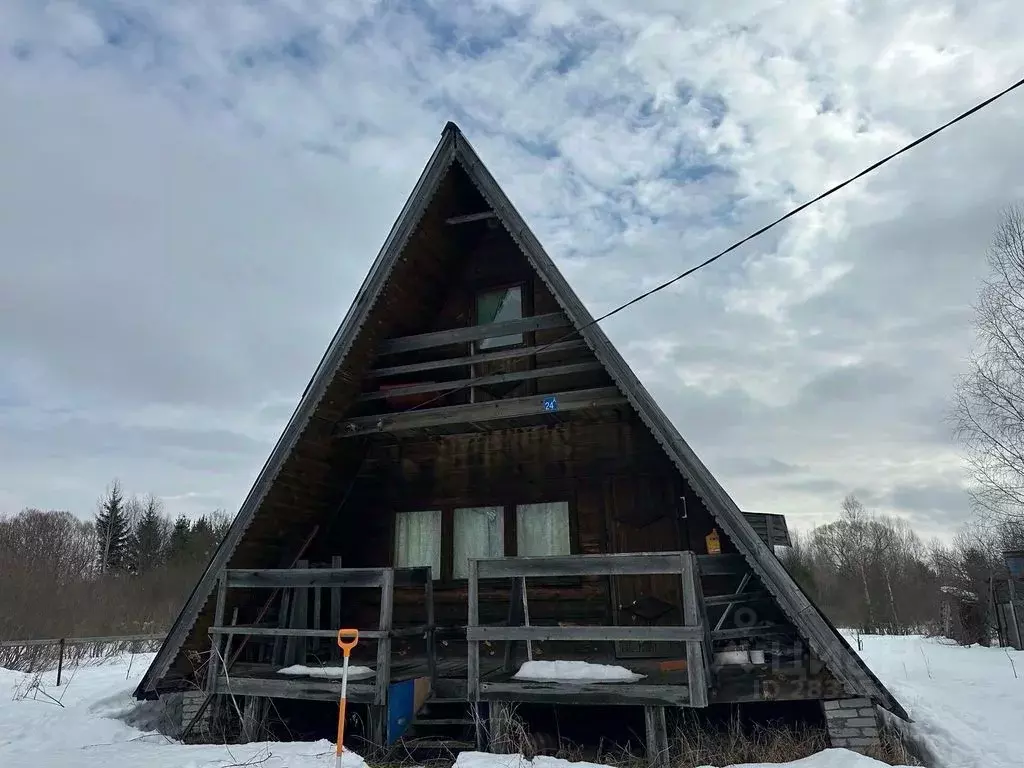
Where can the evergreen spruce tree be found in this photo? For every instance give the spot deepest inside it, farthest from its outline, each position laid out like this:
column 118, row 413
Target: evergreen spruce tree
column 113, row 533
column 179, row 540
column 150, row 537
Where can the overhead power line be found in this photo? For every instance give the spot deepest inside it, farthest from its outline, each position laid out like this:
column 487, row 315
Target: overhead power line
column 757, row 233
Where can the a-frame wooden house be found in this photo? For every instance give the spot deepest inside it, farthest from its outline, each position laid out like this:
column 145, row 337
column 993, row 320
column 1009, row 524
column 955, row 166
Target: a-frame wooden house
column 471, row 437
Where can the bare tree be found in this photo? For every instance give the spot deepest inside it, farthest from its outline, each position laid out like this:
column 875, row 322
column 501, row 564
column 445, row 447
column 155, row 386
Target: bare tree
column 989, row 408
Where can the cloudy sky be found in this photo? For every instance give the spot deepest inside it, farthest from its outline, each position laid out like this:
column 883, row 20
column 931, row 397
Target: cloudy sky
column 191, row 192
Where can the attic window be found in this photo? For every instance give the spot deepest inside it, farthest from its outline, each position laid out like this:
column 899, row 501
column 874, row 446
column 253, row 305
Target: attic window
column 497, row 307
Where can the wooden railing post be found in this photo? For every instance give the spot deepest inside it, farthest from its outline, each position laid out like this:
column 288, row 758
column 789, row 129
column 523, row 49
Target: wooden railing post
column 60, row 660
column 428, row 595
column 213, row 666
column 473, row 651
column 698, row 653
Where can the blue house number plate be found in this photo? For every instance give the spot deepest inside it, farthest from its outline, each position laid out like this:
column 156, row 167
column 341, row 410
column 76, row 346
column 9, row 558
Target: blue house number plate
column 551, row 403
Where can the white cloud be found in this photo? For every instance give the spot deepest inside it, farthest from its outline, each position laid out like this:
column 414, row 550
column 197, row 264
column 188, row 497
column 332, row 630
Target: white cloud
column 192, row 192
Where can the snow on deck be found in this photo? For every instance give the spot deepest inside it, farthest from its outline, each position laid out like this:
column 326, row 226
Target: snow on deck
column 331, row 672
column 577, row 671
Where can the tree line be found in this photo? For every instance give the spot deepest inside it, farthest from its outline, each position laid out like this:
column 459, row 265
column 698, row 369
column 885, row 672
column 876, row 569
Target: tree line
column 127, row 570
column 873, row 572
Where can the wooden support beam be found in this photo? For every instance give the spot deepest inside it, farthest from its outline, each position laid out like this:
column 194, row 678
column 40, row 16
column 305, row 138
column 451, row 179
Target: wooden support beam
column 761, row 630
column 387, row 598
column 515, row 618
column 473, row 333
column 499, row 720
column 294, row 648
column 468, row 217
column 655, row 633
column 691, row 576
column 484, row 357
column 473, row 646
column 336, row 596
column 657, row 737
column 213, row 666
column 428, row 596
column 457, row 415
column 277, row 655
column 737, row 599
column 482, row 381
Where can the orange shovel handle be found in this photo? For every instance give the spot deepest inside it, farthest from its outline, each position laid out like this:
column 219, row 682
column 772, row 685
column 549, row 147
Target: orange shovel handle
column 347, row 639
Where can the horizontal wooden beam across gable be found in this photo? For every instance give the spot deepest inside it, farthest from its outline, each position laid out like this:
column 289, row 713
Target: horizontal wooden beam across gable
column 482, row 381
column 473, row 333
column 474, row 413
column 484, row 357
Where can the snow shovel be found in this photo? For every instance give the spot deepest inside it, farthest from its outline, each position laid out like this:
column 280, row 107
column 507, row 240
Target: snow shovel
column 347, row 639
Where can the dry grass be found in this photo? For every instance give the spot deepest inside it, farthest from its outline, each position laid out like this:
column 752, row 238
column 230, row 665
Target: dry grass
column 693, row 743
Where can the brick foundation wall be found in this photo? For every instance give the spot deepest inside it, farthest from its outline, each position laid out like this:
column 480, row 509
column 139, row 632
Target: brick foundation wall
column 852, row 723
column 191, row 701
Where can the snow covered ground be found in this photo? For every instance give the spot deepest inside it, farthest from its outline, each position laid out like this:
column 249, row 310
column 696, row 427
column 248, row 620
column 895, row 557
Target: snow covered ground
column 967, row 703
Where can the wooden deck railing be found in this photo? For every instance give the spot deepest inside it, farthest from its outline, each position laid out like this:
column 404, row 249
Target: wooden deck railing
column 695, row 631
column 384, row 579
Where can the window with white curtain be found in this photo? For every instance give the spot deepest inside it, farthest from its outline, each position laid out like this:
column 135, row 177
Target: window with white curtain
column 418, row 540
column 478, row 532
column 542, row 529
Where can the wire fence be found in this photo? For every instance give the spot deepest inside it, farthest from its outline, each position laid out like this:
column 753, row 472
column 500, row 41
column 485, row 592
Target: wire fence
column 43, row 655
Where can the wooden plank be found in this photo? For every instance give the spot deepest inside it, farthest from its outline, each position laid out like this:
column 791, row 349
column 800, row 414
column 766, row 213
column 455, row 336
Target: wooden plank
column 482, row 381
column 322, row 577
column 697, row 662
column 619, row 564
column 336, row 596
column 263, row 631
column 657, row 737
column 303, row 689
column 466, row 218
column 575, row 400
column 762, row 630
column 473, row 646
column 483, row 357
column 738, row 599
column 591, row 633
column 575, row 692
column 472, row 333
column 387, row 597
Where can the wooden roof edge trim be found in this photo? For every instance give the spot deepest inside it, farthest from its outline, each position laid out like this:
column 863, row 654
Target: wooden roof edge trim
column 809, row 620
column 415, row 205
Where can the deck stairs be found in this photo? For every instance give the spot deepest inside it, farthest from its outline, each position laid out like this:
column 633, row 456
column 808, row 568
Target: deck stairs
column 442, row 727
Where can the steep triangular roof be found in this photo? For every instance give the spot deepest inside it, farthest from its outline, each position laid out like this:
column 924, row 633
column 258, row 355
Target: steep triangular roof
column 810, row 622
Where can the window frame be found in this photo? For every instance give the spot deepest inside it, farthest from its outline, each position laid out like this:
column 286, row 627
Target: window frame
column 526, row 310
column 509, row 515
